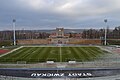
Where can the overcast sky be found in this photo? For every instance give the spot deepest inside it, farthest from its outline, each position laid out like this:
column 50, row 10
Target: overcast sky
column 49, row 14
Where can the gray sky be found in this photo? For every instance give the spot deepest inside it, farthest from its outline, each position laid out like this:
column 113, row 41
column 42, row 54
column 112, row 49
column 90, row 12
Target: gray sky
column 49, row 14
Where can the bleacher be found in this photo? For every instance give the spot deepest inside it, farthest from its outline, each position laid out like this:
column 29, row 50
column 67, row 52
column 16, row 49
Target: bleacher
column 117, row 77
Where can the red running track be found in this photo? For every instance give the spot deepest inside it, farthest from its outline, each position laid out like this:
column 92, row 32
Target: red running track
column 3, row 51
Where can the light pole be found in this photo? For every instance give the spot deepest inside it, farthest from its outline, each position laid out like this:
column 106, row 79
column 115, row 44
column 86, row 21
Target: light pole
column 105, row 20
column 14, row 38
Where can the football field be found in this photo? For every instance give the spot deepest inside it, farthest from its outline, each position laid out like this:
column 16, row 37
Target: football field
column 57, row 54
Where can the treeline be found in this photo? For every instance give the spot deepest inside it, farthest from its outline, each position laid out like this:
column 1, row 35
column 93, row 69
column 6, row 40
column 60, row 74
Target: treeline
column 8, row 35
column 99, row 34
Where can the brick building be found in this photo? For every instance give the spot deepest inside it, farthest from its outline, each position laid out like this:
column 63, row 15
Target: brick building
column 59, row 37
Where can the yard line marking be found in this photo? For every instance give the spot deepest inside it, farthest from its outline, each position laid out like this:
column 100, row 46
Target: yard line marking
column 60, row 55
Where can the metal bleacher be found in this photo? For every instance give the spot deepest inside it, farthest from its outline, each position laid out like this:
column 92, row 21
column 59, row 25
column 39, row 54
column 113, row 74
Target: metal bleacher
column 117, row 77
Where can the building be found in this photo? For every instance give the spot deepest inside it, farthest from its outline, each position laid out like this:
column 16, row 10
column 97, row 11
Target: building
column 59, row 37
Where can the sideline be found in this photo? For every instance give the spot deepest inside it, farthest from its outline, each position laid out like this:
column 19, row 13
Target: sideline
column 11, row 51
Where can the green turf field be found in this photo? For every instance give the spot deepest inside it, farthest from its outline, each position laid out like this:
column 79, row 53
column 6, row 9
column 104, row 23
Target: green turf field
column 57, row 54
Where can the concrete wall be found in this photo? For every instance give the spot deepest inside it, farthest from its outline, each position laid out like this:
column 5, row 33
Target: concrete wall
column 85, row 41
column 68, row 41
column 33, row 41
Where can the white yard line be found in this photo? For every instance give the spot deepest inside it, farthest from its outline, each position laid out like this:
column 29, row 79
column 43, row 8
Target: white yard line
column 60, row 55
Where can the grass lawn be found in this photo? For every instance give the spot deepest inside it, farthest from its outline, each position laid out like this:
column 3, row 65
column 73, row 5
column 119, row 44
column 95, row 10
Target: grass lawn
column 57, row 54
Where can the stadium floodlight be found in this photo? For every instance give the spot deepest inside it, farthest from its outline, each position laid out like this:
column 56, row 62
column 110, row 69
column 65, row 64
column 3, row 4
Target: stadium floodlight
column 14, row 38
column 105, row 20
